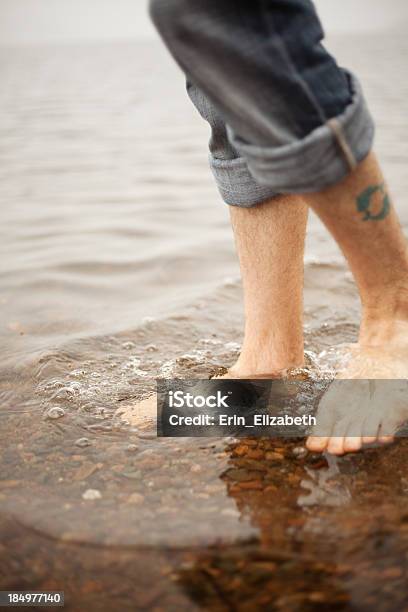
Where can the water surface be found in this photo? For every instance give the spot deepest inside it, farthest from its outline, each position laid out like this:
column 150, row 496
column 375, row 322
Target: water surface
column 118, row 267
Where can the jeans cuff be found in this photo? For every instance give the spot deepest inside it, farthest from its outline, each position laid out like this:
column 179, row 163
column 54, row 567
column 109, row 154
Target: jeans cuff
column 236, row 184
column 319, row 160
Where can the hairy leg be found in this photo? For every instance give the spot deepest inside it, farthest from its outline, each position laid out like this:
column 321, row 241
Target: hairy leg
column 359, row 214
column 270, row 243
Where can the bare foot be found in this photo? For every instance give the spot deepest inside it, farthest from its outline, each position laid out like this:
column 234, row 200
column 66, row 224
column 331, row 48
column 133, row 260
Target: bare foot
column 366, row 404
column 142, row 414
column 233, row 374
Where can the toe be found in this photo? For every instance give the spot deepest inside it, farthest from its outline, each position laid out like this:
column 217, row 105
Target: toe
column 337, row 440
column 317, row 444
column 371, row 427
column 386, row 439
column 352, row 444
column 336, row 445
column 353, row 440
column 369, row 439
column 388, row 428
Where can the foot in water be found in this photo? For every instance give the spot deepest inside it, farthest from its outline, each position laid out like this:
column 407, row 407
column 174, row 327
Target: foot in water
column 366, row 404
column 143, row 414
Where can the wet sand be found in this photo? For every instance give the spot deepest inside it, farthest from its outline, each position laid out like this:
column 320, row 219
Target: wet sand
column 119, row 271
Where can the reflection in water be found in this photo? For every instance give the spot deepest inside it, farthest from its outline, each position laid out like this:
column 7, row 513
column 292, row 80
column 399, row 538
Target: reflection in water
column 299, row 560
column 324, row 486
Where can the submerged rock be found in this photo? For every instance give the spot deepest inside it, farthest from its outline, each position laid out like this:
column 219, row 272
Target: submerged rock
column 82, row 442
column 55, row 413
column 91, row 494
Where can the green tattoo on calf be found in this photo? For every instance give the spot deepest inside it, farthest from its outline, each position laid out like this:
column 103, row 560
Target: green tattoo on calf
column 364, row 201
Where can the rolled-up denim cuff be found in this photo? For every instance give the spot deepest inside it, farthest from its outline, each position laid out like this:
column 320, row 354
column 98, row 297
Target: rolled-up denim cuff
column 319, row 160
column 236, row 184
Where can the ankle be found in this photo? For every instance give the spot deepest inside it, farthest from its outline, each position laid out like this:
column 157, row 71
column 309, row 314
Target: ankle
column 386, row 296
column 386, row 320
column 255, row 361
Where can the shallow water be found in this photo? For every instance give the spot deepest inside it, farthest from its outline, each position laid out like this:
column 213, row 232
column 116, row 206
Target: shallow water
column 118, row 267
